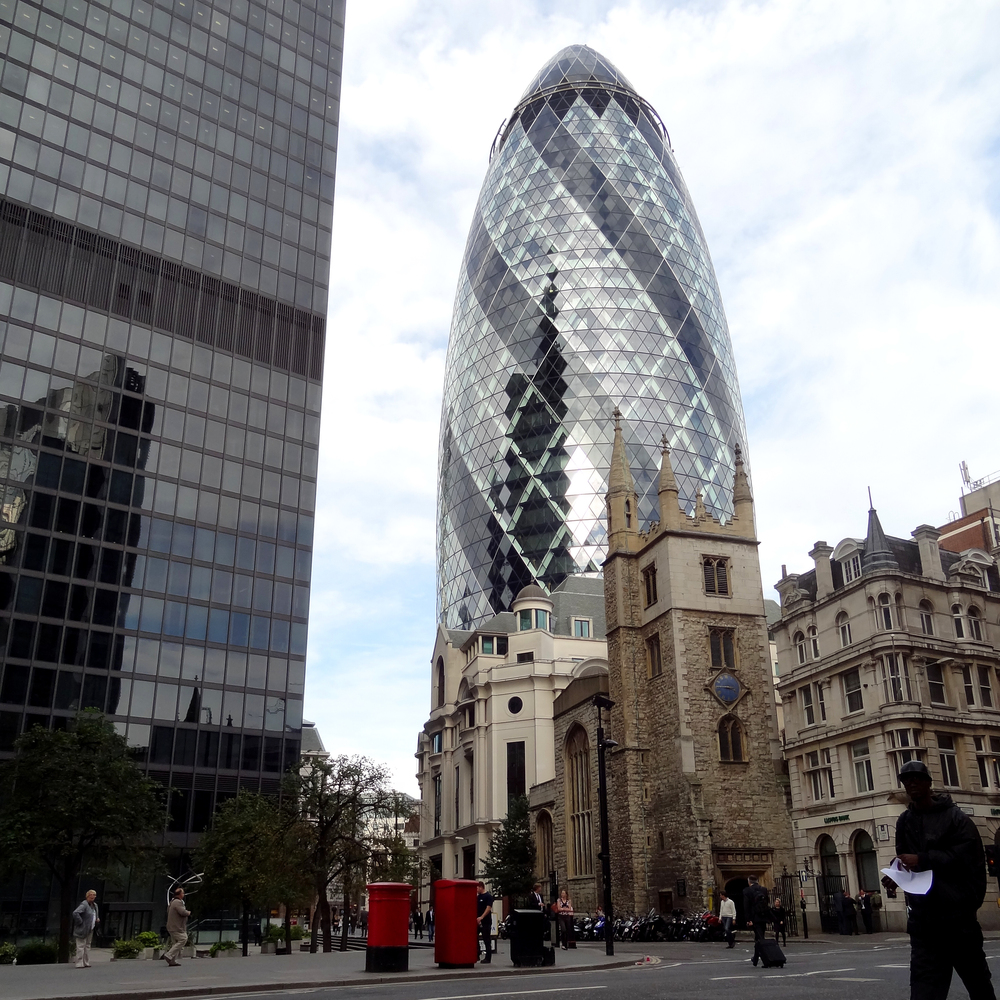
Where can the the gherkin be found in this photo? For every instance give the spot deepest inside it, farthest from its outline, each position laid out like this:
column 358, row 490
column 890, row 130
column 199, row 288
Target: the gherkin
column 586, row 284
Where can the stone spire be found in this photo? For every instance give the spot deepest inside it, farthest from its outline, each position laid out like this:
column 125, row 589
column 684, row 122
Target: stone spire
column 670, row 511
column 742, row 498
column 622, row 502
column 878, row 555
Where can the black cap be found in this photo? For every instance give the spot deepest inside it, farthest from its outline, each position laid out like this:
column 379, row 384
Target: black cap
column 915, row 769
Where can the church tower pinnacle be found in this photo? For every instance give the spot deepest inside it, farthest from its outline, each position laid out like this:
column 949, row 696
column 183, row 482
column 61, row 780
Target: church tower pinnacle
column 623, row 503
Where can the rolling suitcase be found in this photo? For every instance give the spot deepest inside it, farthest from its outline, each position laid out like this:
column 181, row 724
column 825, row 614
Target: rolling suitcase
column 770, row 954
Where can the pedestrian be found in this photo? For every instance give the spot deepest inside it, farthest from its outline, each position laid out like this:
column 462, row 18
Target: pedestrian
column 727, row 914
column 865, row 906
column 779, row 917
column 177, row 919
column 850, row 914
column 564, row 918
column 484, row 919
column 429, row 923
column 933, row 834
column 255, row 930
column 755, row 911
column 418, row 923
column 85, row 920
column 363, row 921
column 535, row 901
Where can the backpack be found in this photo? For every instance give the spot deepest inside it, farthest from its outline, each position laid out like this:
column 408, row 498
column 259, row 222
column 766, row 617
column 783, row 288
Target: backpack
column 760, row 909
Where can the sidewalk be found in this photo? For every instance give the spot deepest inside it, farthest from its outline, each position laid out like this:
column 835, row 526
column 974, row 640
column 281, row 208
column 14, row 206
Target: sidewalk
column 149, row 980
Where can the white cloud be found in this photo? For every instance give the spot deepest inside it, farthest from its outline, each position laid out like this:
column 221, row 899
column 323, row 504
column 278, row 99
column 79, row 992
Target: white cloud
column 843, row 160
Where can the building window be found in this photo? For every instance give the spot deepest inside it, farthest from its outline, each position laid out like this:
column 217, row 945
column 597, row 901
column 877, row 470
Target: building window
column 541, row 619
column 515, row 770
column 501, row 645
column 732, row 744
column 649, row 582
column 524, row 619
column 949, row 761
column 800, row 647
column 851, row 567
column 814, row 642
column 926, row 618
column 581, row 628
column 628, row 514
column 956, row 614
column 985, row 688
column 995, row 757
column 458, row 781
column 580, row 845
column 883, row 613
column 716, row 572
column 525, row 657
column 722, row 642
column 437, row 805
column 514, row 705
column 935, row 684
column 808, row 712
column 975, row 625
column 903, row 744
column 544, row 844
column 982, row 761
column 440, row 681
column 969, row 687
column 819, row 771
column 821, row 703
column 853, row 695
column 862, row 767
column 895, row 677
column 844, row 627
column 488, row 645
column 653, row 660
column 437, row 741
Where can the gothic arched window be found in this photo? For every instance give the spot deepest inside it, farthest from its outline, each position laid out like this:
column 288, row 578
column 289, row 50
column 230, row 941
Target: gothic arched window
column 732, row 741
column 578, row 811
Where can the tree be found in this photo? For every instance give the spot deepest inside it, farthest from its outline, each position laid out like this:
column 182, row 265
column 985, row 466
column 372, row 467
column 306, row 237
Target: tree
column 510, row 865
column 252, row 857
column 339, row 800
column 74, row 800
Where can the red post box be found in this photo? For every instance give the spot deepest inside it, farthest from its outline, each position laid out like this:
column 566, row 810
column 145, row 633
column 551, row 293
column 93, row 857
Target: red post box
column 455, row 941
column 388, row 927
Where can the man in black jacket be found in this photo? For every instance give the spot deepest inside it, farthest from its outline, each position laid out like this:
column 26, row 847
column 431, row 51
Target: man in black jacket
column 756, row 908
column 934, row 834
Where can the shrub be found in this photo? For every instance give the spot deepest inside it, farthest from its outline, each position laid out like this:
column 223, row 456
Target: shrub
column 148, row 939
column 221, row 946
column 37, row 953
column 127, row 949
column 297, row 933
column 275, row 934
column 8, row 952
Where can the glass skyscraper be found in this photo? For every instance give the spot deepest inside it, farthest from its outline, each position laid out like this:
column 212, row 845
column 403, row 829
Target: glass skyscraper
column 586, row 284
column 166, row 195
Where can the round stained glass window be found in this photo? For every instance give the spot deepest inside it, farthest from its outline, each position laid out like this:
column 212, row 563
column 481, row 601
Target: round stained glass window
column 515, row 705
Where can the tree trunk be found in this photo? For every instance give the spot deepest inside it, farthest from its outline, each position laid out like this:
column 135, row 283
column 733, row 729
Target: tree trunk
column 246, row 928
column 288, row 930
column 345, row 918
column 324, row 909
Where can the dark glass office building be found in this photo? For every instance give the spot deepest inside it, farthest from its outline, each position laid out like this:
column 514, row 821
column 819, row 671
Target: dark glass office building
column 586, row 284
column 166, row 194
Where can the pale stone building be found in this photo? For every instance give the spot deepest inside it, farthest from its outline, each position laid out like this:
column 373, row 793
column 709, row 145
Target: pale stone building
column 489, row 735
column 887, row 652
column 696, row 782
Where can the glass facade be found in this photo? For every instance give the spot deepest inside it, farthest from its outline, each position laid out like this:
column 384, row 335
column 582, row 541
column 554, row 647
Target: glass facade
column 586, row 284
column 166, row 200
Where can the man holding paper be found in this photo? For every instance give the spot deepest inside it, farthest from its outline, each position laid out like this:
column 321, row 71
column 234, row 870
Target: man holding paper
column 940, row 842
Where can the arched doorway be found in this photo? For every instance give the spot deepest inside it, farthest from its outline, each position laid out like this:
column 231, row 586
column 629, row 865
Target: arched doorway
column 867, row 862
column 830, row 885
column 734, row 890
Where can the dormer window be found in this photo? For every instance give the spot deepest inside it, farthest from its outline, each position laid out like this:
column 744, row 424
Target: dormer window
column 851, row 567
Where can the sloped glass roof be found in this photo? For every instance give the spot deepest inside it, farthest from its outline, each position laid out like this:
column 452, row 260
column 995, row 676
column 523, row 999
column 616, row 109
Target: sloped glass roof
column 576, row 64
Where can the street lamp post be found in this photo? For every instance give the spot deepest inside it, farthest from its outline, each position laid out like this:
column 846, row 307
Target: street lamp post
column 602, row 701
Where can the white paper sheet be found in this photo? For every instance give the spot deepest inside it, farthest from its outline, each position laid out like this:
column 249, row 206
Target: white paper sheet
column 915, row 883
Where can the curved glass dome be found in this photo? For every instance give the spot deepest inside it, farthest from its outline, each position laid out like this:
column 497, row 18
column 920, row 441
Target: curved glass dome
column 586, row 283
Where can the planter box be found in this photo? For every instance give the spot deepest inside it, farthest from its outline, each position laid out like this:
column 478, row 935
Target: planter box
column 188, row 951
column 150, row 953
column 230, row 953
column 269, row 948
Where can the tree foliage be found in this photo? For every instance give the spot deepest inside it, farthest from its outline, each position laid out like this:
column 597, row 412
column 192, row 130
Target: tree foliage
column 340, row 801
column 72, row 800
column 509, row 867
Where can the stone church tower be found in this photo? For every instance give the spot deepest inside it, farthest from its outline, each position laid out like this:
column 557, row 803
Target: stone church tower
column 696, row 792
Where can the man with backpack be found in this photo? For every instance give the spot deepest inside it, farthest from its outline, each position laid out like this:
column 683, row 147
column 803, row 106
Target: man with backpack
column 756, row 907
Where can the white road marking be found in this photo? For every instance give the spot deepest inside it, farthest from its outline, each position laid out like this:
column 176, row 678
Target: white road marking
column 893, row 966
column 852, row 979
column 510, row 993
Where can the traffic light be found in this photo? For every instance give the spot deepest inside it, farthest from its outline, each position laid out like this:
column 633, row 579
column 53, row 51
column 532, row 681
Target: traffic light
column 991, row 862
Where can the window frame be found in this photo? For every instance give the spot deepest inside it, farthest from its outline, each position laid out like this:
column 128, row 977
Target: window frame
column 863, row 774
column 799, row 642
column 937, row 683
column 813, row 634
column 850, row 692
column 580, row 625
column 843, row 623
column 722, row 662
column 926, row 610
column 808, row 709
column 654, row 656
column 649, row 584
column 731, row 724
column 948, row 758
column 716, row 576
column 895, row 678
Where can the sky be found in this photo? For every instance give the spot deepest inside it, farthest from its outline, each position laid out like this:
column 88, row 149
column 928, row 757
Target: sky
column 844, row 160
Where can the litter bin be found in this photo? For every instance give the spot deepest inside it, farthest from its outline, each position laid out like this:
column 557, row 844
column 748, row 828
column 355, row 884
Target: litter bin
column 388, row 927
column 455, row 941
column 527, row 939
